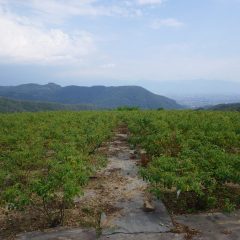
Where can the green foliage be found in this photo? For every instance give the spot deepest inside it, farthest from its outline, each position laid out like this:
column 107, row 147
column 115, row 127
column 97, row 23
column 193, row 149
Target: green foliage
column 46, row 158
column 228, row 206
column 126, row 108
column 191, row 152
column 211, row 202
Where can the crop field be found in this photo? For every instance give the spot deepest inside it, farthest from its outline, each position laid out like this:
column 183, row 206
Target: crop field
column 46, row 158
column 192, row 164
column 193, row 157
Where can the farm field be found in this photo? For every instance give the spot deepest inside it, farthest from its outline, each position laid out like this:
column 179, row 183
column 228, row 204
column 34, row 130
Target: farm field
column 193, row 158
column 46, row 159
column 192, row 161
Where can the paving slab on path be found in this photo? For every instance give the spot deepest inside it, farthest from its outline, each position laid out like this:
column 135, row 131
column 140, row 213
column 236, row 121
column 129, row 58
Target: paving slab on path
column 144, row 236
column 213, row 226
column 132, row 219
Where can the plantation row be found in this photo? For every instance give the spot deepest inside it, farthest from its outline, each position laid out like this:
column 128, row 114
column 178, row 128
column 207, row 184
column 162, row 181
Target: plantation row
column 194, row 157
column 45, row 158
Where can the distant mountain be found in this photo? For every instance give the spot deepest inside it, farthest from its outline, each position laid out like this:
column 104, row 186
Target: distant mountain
column 10, row 105
column 99, row 96
column 226, row 107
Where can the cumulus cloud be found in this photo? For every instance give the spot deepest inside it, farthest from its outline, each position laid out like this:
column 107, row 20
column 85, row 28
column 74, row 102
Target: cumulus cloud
column 27, row 43
column 168, row 22
column 31, row 30
column 28, row 35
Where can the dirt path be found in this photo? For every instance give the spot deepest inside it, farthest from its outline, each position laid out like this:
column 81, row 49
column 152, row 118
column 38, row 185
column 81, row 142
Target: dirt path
column 113, row 205
column 131, row 196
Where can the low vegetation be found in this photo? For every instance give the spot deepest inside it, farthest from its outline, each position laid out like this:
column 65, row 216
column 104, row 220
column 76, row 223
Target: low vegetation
column 46, row 158
column 194, row 161
column 193, row 157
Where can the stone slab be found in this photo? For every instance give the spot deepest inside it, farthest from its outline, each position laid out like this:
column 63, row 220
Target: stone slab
column 144, row 236
column 134, row 220
column 213, row 226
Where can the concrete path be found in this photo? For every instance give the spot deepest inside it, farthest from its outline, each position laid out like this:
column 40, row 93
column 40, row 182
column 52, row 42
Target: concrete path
column 213, row 226
column 132, row 217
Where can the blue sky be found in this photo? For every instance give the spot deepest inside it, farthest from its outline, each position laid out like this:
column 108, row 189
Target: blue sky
column 118, row 42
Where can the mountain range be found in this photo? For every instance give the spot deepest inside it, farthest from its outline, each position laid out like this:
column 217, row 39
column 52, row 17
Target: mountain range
column 99, row 97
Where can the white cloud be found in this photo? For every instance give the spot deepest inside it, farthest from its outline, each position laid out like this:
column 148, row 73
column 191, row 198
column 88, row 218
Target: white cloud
column 27, row 32
column 28, row 43
column 57, row 11
column 63, row 8
column 168, row 22
column 150, row 2
column 27, row 36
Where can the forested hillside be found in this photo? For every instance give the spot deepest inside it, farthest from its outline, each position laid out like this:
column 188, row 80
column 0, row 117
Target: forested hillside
column 227, row 107
column 99, row 96
column 10, row 105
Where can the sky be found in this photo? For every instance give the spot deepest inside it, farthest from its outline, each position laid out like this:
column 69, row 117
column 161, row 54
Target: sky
column 119, row 42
